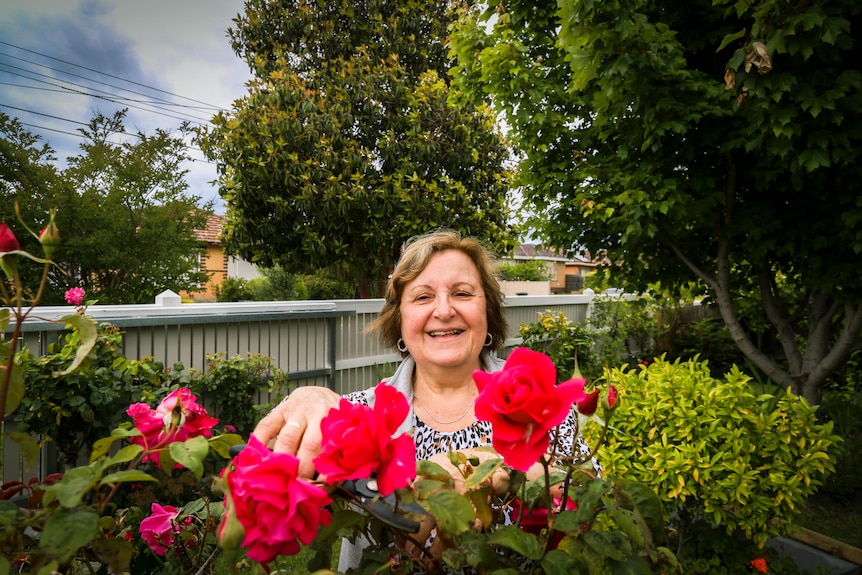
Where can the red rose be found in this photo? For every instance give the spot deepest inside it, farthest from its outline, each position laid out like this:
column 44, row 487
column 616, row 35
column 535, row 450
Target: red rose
column 8, row 241
column 536, row 519
column 523, row 404
column 358, row 441
column 276, row 509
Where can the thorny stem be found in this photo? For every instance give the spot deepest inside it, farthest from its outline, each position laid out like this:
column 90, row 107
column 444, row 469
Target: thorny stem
column 209, row 560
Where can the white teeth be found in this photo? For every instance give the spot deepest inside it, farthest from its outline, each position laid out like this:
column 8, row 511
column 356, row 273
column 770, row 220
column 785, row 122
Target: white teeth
column 450, row 332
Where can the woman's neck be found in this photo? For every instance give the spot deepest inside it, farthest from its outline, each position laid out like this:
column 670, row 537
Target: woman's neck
column 447, row 382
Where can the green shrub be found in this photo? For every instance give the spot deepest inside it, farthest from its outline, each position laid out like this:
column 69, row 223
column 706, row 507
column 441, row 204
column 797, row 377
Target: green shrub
column 239, row 388
column 279, row 285
column 324, row 284
column 562, row 340
column 709, row 340
column 76, row 409
column 527, row 271
column 233, row 289
column 623, row 330
column 714, row 452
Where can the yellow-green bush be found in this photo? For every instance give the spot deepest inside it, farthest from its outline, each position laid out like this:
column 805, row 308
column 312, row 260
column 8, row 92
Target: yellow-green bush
column 716, row 453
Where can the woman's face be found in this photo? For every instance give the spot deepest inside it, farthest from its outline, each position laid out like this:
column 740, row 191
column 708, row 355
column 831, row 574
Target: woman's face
column 443, row 315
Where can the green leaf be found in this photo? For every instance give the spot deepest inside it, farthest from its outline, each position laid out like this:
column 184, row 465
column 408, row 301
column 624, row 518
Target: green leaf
column 453, row 512
column 117, row 553
column 512, row 537
column 126, row 454
column 432, row 470
column 221, row 444
column 67, row 531
column 88, row 333
column 15, row 391
column 482, row 473
column 76, row 482
column 191, row 454
column 127, row 476
column 29, row 449
column 557, row 562
column 103, row 445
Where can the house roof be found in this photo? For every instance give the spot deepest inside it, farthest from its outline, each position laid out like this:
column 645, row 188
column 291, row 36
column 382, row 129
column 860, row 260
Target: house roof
column 537, row 251
column 211, row 234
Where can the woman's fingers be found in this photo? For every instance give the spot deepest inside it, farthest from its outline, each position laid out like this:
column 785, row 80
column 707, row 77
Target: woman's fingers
column 294, row 425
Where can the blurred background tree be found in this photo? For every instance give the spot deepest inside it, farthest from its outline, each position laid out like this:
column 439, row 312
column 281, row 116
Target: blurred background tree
column 717, row 141
column 346, row 144
column 126, row 216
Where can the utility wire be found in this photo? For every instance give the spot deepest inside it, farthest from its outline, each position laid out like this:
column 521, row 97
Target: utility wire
column 113, row 97
column 110, row 75
column 150, row 99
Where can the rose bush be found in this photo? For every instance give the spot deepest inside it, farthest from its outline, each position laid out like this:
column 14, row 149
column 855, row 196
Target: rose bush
column 484, row 523
column 90, row 518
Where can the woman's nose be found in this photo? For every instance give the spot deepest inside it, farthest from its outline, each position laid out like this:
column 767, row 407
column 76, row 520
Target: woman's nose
column 443, row 307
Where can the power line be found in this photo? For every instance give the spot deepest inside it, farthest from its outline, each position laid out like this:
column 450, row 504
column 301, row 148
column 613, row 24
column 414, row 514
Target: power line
column 113, row 97
column 88, row 79
column 110, row 75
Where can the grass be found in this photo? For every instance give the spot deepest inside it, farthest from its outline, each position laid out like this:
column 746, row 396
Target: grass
column 835, row 519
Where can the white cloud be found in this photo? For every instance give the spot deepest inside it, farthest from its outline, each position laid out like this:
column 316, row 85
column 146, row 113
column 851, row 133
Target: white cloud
column 62, row 61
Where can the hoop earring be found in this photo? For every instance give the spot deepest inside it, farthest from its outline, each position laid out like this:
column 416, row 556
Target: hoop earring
column 489, row 341
column 402, row 347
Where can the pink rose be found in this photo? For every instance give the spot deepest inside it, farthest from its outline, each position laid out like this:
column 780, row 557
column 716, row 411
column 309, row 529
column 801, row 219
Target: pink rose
column 74, row 296
column 358, row 441
column 276, row 509
column 177, row 418
column 158, row 529
column 523, row 404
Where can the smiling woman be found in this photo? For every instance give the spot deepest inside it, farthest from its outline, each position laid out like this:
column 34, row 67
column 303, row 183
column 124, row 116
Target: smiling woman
column 443, row 311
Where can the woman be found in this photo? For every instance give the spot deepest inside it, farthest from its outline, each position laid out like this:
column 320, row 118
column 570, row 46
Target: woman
column 443, row 311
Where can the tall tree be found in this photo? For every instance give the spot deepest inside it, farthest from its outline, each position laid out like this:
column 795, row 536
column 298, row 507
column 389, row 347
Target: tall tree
column 346, row 144
column 714, row 139
column 126, row 218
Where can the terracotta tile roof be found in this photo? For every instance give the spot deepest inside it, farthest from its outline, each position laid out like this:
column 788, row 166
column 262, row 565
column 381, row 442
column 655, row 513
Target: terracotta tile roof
column 211, row 234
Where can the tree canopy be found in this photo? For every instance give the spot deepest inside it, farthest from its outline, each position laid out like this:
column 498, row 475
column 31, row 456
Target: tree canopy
column 346, row 144
column 126, row 218
column 710, row 139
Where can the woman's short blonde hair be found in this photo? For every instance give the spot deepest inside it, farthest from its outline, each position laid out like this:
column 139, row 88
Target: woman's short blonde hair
column 416, row 255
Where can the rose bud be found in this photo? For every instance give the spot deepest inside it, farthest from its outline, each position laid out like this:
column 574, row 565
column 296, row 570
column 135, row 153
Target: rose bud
column 609, row 401
column 8, row 243
column 588, row 405
column 49, row 237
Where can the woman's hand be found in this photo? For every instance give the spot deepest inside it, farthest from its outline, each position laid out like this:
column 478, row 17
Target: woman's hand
column 294, row 425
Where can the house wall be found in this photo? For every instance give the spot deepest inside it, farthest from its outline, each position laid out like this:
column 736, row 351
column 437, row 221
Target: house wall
column 214, row 263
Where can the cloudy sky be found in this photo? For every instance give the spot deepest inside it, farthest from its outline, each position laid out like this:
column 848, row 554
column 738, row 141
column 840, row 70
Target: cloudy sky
column 165, row 60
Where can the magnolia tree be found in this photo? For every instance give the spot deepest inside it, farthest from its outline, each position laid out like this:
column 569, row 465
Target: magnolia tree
column 715, row 140
column 346, row 144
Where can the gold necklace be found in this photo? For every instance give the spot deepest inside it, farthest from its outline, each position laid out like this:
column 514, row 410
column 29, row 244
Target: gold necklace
column 431, row 415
